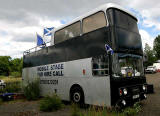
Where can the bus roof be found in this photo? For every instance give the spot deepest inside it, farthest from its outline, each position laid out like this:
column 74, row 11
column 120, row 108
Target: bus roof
column 100, row 8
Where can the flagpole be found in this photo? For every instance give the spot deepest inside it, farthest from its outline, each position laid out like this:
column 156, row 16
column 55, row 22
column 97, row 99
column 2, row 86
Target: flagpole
column 36, row 38
column 36, row 42
column 43, row 35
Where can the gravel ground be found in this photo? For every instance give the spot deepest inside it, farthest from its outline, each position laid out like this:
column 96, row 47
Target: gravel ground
column 151, row 106
column 29, row 108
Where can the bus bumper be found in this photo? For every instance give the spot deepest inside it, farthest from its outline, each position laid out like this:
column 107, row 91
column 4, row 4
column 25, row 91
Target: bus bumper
column 130, row 100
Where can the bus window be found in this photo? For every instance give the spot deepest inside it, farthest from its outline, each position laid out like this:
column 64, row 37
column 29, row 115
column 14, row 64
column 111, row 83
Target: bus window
column 100, row 65
column 123, row 20
column 94, row 22
column 67, row 32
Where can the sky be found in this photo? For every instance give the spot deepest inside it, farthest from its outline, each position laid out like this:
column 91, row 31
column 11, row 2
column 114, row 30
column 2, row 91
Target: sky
column 20, row 20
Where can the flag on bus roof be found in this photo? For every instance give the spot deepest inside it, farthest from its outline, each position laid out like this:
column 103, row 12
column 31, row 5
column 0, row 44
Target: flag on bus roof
column 48, row 31
column 109, row 49
column 39, row 40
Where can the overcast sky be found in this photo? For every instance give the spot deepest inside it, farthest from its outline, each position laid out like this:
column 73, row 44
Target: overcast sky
column 20, row 20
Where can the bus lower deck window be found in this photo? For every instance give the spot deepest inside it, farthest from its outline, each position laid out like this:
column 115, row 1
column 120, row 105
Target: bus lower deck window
column 100, row 66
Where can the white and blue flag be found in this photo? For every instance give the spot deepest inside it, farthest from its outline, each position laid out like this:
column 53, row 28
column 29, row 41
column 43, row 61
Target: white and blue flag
column 39, row 40
column 109, row 49
column 48, row 31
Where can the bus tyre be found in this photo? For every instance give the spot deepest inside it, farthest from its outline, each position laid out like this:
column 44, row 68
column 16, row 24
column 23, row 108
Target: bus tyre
column 77, row 95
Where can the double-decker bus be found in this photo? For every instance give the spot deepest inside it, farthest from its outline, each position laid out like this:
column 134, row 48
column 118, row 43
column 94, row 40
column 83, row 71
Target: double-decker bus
column 77, row 66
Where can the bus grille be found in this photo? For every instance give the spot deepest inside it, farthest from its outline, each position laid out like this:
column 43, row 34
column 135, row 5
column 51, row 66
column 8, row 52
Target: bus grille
column 135, row 91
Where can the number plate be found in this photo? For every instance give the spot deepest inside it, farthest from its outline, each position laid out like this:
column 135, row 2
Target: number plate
column 135, row 96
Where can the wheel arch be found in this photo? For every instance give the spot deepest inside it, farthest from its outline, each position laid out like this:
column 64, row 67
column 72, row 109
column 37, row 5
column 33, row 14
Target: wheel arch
column 74, row 86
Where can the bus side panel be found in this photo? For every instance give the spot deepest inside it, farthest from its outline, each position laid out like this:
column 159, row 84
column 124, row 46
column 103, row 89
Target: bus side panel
column 96, row 89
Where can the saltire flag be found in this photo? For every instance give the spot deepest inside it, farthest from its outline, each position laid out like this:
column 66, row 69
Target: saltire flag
column 48, row 31
column 39, row 40
column 109, row 49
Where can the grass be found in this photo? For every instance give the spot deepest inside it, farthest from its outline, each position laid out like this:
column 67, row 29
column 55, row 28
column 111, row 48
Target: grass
column 10, row 79
column 50, row 103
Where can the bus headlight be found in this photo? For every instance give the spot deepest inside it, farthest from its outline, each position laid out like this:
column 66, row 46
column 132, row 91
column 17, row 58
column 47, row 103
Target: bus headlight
column 125, row 91
column 144, row 88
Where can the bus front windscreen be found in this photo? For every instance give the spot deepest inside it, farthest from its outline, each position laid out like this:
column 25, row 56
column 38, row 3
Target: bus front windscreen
column 127, row 65
column 126, row 29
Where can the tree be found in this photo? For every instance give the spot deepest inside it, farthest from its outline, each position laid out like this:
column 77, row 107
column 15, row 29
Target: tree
column 5, row 65
column 9, row 66
column 156, row 46
column 16, row 65
column 150, row 55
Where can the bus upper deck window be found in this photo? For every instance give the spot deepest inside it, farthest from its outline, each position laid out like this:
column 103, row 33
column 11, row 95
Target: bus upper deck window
column 68, row 32
column 94, row 22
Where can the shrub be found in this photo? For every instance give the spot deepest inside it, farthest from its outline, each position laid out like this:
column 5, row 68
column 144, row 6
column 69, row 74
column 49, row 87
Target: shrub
column 15, row 74
column 32, row 90
column 50, row 103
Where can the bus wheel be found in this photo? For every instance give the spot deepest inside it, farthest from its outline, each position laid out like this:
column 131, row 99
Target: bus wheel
column 77, row 95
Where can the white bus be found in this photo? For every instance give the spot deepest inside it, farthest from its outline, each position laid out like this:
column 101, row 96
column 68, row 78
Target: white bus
column 77, row 67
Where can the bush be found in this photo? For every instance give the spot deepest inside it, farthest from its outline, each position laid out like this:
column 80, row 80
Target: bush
column 15, row 74
column 50, row 103
column 32, row 90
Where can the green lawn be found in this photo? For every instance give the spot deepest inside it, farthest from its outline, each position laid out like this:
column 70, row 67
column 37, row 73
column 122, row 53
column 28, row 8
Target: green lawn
column 10, row 79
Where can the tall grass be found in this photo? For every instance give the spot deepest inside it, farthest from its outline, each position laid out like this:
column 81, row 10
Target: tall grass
column 103, row 111
column 13, row 85
column 75, row 111
column 1, row 101
column 32, row 90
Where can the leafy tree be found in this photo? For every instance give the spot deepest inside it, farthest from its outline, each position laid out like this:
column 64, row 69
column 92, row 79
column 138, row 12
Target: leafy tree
column 156, row 46
column 150, row 54
column 5, row 65
column 10, row 66
column 16, row 65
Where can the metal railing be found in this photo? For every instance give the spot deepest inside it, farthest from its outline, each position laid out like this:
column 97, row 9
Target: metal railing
column 37, row 48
